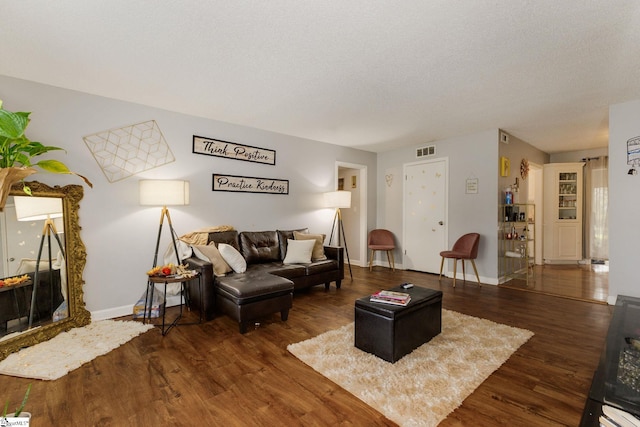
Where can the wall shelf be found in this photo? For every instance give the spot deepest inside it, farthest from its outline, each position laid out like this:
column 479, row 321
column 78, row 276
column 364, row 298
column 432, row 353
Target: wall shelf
column 516, row 242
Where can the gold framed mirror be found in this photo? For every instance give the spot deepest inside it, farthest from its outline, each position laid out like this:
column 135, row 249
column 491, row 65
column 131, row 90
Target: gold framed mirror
column 74, row 262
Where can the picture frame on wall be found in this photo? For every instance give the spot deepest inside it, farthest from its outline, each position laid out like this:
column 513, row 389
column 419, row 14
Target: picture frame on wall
column 471, row 186
column 232, row 150
column 505, row 166
column 249, row 184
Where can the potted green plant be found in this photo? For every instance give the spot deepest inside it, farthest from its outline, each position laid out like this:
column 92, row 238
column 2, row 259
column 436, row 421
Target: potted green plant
column 19, row 411
column 17, row 152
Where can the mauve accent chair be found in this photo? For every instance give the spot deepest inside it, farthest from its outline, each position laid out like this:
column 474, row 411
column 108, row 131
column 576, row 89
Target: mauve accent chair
column 466, row 247
column 381, row 240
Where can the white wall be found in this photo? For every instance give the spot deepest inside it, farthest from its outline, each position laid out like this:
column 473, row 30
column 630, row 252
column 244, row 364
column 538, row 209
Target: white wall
column 624, row 203
column 120, row 235
column 515, row 151
column 470, row 156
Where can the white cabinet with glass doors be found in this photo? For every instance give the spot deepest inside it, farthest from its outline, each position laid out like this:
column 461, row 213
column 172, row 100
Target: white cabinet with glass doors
column 562, row 218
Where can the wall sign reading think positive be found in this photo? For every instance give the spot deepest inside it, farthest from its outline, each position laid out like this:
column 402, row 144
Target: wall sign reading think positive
column 230, row 150
column 247, row 184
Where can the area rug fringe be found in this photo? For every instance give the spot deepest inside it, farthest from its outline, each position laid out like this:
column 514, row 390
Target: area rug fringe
column 422, row 388
column 69, row 350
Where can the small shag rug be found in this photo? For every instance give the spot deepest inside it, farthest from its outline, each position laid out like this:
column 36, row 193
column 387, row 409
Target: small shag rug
column 423, row 387
column 69, row 350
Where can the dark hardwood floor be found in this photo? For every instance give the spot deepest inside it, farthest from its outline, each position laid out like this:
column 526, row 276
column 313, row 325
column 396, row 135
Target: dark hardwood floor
column 582, row 282
column 210, row 374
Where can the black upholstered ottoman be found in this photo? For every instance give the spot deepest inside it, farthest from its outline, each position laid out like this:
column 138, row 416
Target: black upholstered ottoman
column 254, row 294
column 391, row 331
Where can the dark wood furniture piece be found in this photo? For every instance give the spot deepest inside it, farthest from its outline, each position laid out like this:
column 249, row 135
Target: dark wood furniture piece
column 392, row 331
column 12, row 305
column 15, row 300
column 608, row 385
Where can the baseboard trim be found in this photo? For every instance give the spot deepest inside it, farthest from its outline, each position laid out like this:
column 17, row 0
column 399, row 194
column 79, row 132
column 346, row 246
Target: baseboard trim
column 126, row 310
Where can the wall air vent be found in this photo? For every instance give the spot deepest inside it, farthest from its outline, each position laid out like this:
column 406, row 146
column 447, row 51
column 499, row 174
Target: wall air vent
column 504, row 137
column 429, row 150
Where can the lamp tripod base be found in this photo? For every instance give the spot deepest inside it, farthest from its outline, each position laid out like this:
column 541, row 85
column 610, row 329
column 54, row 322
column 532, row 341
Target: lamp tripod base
column 337, row 220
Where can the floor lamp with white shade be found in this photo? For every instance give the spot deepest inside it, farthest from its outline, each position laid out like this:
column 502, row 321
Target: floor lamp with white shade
column 30, row 208
column 339, row 200
column 164, row 193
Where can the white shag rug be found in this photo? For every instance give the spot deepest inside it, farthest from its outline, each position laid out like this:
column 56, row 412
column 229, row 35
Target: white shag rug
column 69, row 350
column 423, row 387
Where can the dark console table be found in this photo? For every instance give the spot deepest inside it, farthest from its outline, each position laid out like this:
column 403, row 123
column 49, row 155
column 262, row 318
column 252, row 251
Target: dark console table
column 15, row 300
column 607, row 387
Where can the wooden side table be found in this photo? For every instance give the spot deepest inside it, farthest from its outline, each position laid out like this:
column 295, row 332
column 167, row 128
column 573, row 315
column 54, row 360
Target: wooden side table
column 148, row 303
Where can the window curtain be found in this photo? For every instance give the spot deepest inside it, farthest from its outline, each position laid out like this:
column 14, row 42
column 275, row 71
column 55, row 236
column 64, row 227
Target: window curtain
column 596, row 218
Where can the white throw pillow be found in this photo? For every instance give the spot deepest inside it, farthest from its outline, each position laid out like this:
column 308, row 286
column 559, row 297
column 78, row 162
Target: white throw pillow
column 233, row 257
column 299, row 251
column 29, row 266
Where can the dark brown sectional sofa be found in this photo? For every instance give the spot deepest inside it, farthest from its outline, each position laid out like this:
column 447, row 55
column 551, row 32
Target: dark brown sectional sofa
column 267, row 286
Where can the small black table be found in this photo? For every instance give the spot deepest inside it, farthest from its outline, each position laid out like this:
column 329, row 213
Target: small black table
column 608, row 386
column 392, row 331
column 151, row 285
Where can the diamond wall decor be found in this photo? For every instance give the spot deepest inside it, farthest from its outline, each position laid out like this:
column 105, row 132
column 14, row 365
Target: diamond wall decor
column 129, row 150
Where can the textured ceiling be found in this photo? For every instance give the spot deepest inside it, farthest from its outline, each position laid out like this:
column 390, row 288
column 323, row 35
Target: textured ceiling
column 367, row 74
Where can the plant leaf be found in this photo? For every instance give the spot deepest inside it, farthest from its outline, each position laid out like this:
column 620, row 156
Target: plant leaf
column 53, row 166
column 24, row 401
column 12, row 125
column 36, row 148
column 84, row 178
column 22, row 159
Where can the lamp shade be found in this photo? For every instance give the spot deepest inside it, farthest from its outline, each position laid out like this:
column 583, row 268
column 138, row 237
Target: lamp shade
column 164, row 192
column 29, row 208
column 337, row 199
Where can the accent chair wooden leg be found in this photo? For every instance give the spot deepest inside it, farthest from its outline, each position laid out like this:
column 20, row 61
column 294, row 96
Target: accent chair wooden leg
column 441, row 265
column 464, row 275
column 371, row 258
column 476, row 270
column 455, row 265
column 393, row 262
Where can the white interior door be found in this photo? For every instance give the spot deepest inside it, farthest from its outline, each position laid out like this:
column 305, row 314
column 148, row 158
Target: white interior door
column 425, row 215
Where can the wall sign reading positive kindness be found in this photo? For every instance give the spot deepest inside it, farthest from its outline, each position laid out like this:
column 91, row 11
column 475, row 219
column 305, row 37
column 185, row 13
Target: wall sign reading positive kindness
column 230, row 150
column 247, row 184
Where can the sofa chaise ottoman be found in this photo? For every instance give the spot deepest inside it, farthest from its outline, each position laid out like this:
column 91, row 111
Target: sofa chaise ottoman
column 267, row 284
